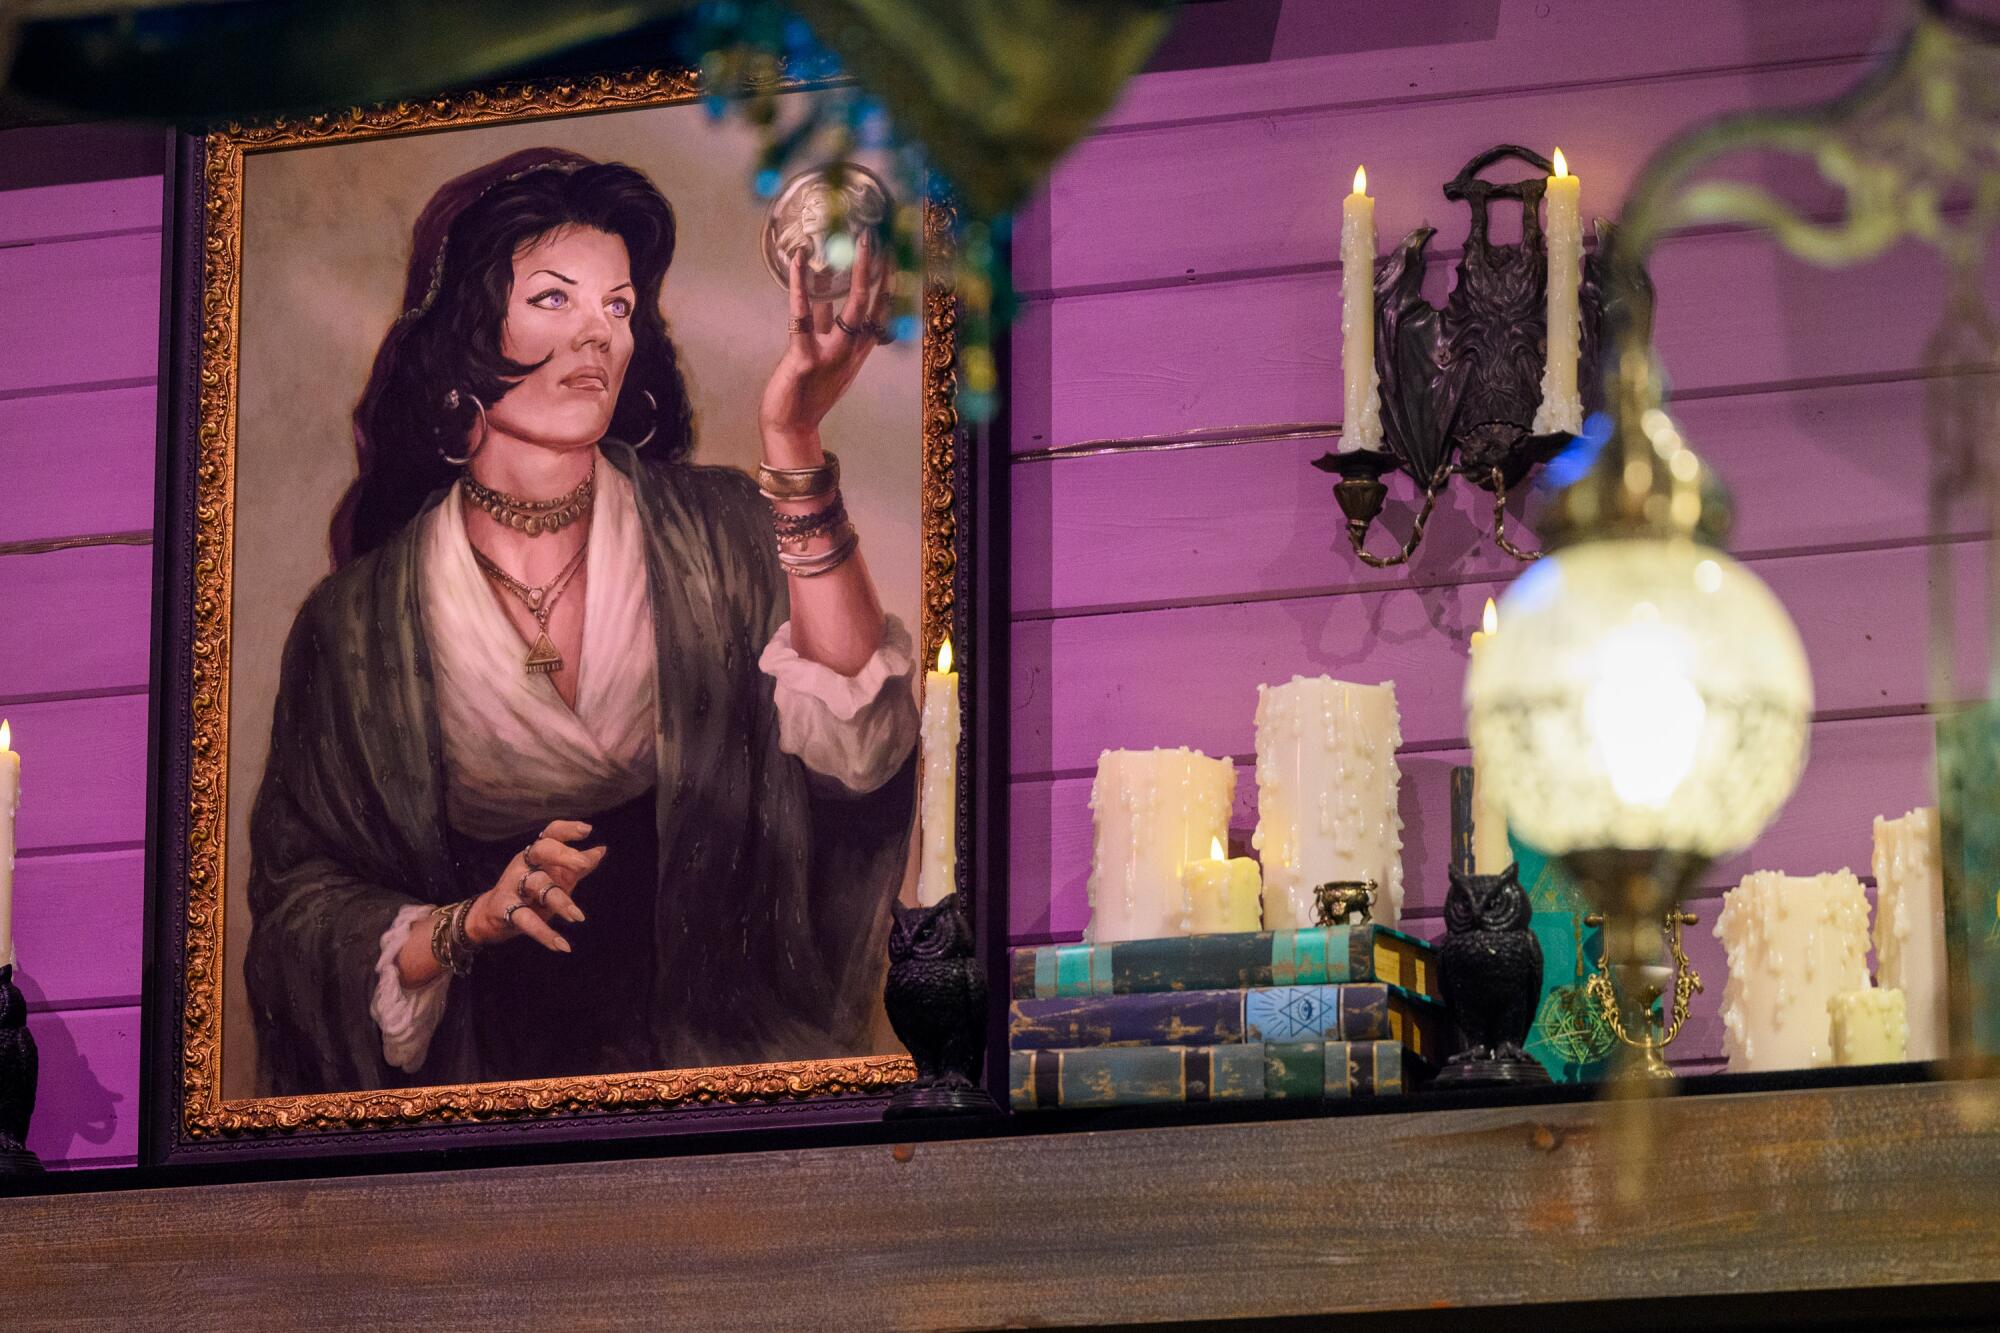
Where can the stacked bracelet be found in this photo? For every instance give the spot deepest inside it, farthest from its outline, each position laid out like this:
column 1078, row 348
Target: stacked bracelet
column 823, row 562
column 795, row 530
column 451, row 945
column 800, row 483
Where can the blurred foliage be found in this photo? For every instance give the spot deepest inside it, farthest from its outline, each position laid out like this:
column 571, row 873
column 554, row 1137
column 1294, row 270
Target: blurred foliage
column 986, row 94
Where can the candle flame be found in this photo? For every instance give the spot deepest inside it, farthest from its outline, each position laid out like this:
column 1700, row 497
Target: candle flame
column 1489, row 620
column 6, row 736
column 1562, row 167
column 944, row 654
column 1215, row 850
column 1361, row 180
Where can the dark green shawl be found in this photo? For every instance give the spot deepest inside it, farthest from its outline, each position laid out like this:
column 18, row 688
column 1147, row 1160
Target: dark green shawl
column 773, row 891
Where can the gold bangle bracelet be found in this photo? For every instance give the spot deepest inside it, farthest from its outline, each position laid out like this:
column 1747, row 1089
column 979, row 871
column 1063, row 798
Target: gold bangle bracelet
column 800, row 483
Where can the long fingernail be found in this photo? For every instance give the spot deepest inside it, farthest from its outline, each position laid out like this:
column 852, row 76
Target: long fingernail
column 563, row 944
column 575, row 913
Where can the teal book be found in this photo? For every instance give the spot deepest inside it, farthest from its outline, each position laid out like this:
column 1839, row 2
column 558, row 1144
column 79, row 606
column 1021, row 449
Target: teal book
column 1239, row 1072
column 1361, row 1011
column 1570, row 1036
column 1315, row 956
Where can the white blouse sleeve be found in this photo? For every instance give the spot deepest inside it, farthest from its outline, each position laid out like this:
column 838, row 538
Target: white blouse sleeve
column 855, row 729
column 407, row 1017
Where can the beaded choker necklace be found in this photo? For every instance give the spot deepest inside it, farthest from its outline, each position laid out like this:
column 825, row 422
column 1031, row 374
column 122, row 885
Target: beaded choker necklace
column 534, row 517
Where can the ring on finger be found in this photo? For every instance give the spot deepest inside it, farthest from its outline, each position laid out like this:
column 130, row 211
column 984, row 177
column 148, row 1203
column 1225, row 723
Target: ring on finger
column 799, row 324
column 521, row 890
column 528, row 858
column 508, row 917
column 542, row 898
column 882, row 333
column 851, row 330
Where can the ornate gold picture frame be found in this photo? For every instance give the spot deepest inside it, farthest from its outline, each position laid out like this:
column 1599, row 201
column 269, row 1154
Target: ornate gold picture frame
column 226, row 579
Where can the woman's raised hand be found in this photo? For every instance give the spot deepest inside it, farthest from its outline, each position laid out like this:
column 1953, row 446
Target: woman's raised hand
column 536, row 888
column 824, row 351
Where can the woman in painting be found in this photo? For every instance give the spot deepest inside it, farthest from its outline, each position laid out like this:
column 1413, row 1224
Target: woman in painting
column 858, row 205
column 585, row 759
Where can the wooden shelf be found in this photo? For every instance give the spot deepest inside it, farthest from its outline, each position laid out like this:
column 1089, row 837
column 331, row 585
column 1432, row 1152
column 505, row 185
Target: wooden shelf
column 1754, row 1193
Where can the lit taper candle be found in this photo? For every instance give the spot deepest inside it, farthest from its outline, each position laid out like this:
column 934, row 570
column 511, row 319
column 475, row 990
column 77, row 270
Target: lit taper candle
column 937, row 872
column 10, row 802
column 1562, row 408
column 1361, row 419
column 1491, row 853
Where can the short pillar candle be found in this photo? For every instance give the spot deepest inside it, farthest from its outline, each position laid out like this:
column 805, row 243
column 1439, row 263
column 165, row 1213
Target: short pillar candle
column 1868, row 1027
column 1224, row 894
column 1794, row 943
column 1153, row 812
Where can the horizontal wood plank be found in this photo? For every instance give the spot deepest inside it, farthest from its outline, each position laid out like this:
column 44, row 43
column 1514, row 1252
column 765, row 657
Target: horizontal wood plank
column 83, row 620
column 82, row 312
column 79, row 928
column 1735, row 314
column 83, row 772
column 1834, row 1188
column 78, row 463
column 80, row 209
column 87, row 1110
column 1193, row 201
column 1189, row 676
column 1857, row 768
column 1811, row 467
column 1404, row 54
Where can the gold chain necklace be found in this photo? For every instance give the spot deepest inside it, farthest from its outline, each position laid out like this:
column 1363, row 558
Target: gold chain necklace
column 543, row 659
column 534, row 517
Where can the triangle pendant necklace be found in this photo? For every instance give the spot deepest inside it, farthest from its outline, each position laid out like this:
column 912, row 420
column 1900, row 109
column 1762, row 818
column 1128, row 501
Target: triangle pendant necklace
column 543, row 659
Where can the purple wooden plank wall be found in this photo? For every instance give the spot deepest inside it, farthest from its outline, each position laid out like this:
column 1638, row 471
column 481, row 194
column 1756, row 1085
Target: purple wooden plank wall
column 78, row 361
column 1181, row 276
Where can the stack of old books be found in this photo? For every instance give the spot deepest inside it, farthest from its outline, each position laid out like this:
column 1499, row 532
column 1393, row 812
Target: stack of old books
column 1324, row 1013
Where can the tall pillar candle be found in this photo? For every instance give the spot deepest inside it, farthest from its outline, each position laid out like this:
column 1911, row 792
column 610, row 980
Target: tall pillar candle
column 937, row 871
column 1361, row 413
column 1153, row 811
column 1793, row 944
column 1562, row 407
column 1326, row 795
column 10, row 802
column 1909, row 925
column 1491, row 852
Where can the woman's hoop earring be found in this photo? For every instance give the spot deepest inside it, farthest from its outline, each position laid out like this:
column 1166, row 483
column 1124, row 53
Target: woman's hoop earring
column 654, row 429
column 451, row 401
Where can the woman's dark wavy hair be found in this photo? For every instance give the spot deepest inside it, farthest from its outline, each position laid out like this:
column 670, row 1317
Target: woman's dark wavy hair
column 455, row 298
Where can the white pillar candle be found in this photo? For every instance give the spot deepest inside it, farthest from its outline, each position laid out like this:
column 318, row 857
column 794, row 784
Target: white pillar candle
column 937, row 871
column 1326, row 795
column 1793, row 944
column 1361, row 415
column 1153, row 811
column 1909, row 925
column 1561, row 408
column 10, row 802
column 1224, row 894
column 1491, row 853
column 1868, row 1027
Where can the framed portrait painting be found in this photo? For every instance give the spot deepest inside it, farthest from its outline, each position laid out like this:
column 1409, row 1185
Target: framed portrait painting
column 559, row 535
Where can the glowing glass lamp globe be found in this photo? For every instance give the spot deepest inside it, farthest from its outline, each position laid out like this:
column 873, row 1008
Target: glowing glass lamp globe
column 1644, row 707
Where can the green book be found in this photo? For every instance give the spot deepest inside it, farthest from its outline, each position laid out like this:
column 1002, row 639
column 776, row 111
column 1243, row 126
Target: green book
column 1315, row 956
column 1241, row 1072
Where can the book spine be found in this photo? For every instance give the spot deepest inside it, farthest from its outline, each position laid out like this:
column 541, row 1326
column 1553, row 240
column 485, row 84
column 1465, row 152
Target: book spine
column 1206, row 1018
column 1317, row 956
column 1136, row 1076
column 1247, row 1071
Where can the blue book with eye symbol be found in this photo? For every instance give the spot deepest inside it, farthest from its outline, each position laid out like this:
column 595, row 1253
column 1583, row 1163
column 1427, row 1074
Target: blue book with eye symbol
column 1353, row 1013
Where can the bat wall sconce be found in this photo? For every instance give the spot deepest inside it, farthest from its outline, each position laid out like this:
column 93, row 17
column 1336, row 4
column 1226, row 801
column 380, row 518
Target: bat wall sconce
column 1459, row 386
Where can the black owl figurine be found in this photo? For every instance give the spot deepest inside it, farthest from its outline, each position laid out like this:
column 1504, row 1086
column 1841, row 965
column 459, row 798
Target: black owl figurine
column 1491, row 974
column 936, row 998
column 18, row 1061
